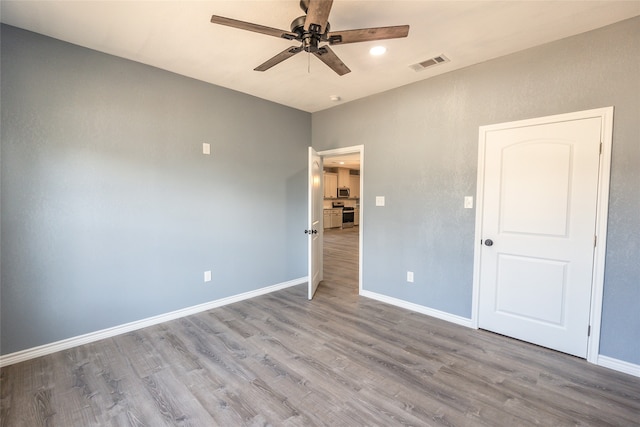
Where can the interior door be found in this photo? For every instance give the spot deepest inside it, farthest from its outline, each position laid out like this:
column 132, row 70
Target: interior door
column 539, row 193
column 315, row 228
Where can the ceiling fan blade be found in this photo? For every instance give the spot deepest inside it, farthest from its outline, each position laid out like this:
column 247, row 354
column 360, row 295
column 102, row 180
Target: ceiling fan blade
column 367, row 34
column 326, row 55
column 318, row 14
column 229, row 22
column 285, row 54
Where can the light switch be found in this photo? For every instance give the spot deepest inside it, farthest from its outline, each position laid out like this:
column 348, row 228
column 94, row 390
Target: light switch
column 468, row 202
column 206, row 148
column 379, row 200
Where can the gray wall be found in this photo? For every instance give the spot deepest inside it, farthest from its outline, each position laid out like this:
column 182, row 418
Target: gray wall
column 110, row 212
column 421, row 153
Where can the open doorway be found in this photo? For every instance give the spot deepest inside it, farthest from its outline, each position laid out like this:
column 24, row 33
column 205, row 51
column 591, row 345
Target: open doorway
column 342, row 219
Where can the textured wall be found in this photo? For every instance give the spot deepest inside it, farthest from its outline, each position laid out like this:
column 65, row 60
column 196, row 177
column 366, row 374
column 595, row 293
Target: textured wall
column 110, row 212
column 421, row 153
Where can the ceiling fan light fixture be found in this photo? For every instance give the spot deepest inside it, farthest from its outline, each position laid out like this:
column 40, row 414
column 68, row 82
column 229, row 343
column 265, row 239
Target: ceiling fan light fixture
column 378, row 50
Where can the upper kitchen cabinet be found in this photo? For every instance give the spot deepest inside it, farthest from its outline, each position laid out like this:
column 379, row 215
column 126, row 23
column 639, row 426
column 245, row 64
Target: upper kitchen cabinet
column 346, row 168
column 330, row 185
column 354, row 185
column 343, row 177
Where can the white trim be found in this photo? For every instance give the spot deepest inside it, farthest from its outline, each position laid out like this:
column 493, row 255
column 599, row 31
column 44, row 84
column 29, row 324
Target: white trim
column 459, row 320
column 351, row 150
column 597, row 286
column 343, row 150
column 604, row 361
column 32, row 353
column 619, row 365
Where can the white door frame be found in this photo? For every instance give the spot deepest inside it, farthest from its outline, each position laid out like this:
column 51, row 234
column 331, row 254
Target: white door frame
column 351, row 150
column 597, row 285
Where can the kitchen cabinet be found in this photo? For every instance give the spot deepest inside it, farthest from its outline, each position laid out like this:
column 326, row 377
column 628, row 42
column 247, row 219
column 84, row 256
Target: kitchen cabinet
column 330, row 185
column 343, row 177
column 354, row 185
column 332, row 218
column 336, row 218
column 356, row 216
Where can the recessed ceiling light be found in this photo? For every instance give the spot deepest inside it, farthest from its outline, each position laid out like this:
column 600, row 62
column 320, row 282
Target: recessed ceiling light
column 335, row 98
column 377, row 50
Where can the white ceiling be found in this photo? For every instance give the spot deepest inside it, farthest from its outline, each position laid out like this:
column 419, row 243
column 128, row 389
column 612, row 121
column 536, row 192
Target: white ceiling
column 347, row 161
column 177, row 36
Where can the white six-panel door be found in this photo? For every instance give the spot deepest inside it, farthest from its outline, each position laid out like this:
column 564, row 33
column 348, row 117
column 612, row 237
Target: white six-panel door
column 538, row 226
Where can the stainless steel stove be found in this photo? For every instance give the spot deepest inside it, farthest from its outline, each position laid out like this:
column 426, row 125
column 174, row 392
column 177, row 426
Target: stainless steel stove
column 348, row 214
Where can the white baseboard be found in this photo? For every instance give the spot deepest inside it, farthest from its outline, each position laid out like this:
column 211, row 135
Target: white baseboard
column 604, row 361
column 459, row 320
column 32, row 353
column 619, row 365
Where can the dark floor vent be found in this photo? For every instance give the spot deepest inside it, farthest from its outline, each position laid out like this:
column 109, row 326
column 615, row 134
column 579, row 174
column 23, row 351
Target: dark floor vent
column 429, row 63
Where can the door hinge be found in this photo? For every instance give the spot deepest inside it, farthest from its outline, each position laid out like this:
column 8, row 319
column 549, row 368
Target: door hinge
column 595, row 241
column 589, row 331
column 600, row 147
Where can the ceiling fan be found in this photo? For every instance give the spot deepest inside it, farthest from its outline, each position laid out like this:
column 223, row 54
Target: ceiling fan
column 311, row 30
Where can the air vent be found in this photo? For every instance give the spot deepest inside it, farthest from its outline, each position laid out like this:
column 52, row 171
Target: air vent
column 429, row 63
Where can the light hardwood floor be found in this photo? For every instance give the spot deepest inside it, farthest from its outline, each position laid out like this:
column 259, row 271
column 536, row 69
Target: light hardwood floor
column 339, row 360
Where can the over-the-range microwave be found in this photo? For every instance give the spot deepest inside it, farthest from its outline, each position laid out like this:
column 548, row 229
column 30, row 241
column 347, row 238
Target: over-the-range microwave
column 343, row 192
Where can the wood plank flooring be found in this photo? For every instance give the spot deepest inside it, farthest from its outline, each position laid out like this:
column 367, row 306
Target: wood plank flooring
column 339, row 360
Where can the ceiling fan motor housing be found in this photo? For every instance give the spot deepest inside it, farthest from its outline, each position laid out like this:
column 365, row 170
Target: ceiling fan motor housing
column 310, row 39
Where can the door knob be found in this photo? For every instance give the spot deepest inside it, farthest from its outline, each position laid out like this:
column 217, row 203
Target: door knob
column 488, row 242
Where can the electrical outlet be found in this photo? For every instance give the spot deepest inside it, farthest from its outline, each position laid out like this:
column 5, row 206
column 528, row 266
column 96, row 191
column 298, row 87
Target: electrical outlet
column 207, row 276
column 468, row 202
column 379, row 200
column 206, row 148
column 410, row 276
